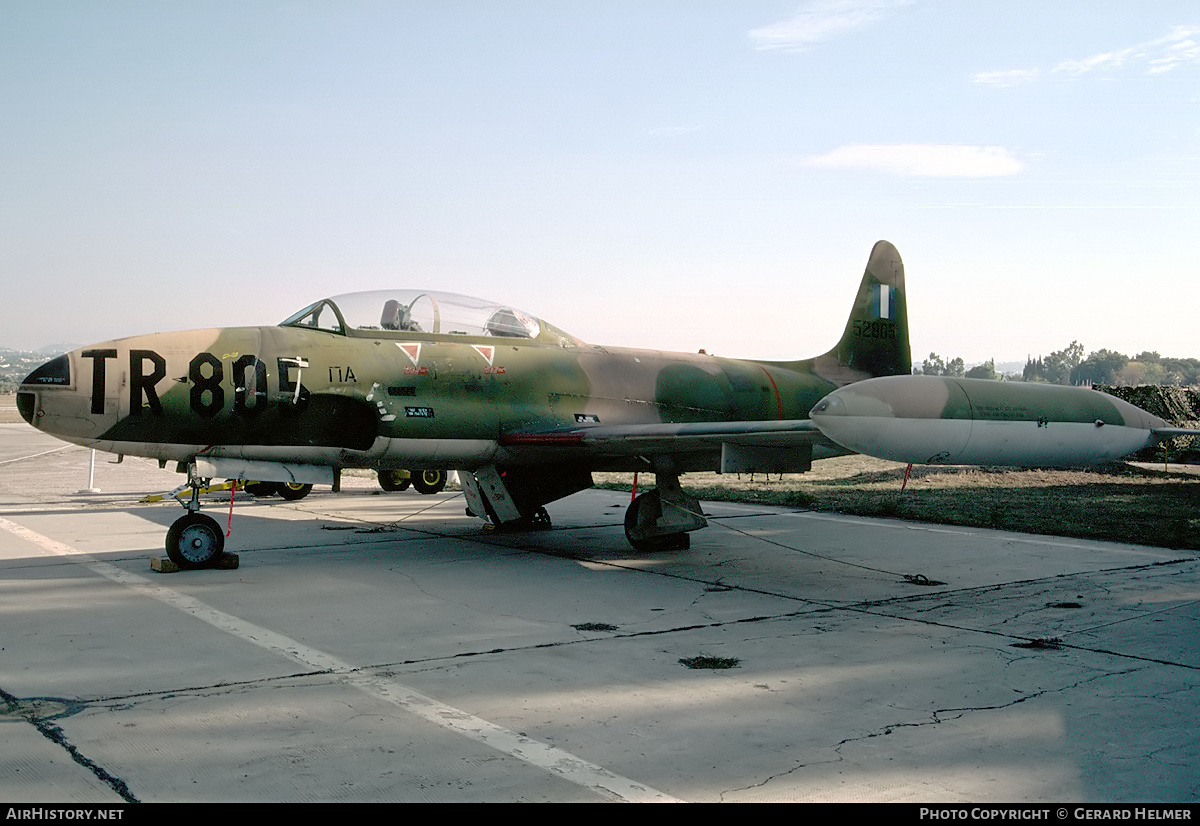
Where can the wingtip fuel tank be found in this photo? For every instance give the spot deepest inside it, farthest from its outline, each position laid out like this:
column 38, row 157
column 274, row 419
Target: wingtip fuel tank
column 953, row 421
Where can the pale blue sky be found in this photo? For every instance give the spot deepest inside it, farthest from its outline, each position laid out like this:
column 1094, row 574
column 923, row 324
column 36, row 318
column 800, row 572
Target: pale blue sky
column 671, row 175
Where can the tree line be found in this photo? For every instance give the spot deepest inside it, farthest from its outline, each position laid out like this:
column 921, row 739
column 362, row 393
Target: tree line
column 1069, row 366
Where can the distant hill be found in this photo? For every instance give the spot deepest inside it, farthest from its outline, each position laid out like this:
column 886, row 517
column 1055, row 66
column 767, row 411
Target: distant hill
column 52, row 350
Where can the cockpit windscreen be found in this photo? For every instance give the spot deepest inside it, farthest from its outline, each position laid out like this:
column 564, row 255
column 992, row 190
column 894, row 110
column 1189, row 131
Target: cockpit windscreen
column 415, row 311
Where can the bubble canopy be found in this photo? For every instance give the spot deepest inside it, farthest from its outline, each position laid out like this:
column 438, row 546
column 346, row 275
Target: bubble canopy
column 415, row 311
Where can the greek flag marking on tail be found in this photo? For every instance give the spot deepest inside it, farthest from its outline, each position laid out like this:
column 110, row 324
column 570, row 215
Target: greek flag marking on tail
column 885, row 302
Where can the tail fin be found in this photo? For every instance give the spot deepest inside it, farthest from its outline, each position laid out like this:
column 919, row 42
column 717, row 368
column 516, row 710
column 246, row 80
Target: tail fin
column 875, row 342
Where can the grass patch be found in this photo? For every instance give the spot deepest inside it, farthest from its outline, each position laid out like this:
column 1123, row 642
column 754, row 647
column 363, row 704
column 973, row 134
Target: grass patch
column 704, row 661
column 594, row 626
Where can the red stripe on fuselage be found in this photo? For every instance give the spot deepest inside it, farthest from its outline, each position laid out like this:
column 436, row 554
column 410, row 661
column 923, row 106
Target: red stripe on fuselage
column 778, row 398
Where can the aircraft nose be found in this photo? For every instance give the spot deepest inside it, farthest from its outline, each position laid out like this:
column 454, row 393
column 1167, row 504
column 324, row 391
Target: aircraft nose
column 54, row 373
column 25, row 405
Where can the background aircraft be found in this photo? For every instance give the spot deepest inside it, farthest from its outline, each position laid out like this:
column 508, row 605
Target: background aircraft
column 404, row 379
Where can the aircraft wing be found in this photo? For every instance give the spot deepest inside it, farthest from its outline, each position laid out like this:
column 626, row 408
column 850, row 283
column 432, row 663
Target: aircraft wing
column 781, row 445
column 787, row 445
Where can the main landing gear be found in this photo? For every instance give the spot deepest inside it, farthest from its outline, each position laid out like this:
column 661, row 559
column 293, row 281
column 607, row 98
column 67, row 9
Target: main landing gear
column 195, row 540
column 660, row 519
column 291, row 491
column 512, row 498
column 423, row 481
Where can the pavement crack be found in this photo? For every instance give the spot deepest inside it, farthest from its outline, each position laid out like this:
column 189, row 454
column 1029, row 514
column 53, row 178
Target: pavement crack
column 936, row 717
column 29, row 711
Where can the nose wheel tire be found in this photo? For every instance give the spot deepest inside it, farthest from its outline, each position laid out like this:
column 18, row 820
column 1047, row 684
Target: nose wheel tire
column 195, row 541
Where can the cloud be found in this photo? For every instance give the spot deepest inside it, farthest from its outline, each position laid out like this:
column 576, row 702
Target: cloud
column 820, row 20
column 1161, row 55
column 1156, row 57
column 922, row 159
column 1178, row 47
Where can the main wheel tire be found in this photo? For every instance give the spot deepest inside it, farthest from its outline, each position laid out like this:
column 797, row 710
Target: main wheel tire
column 428, row 481
column 394, row 480
column 651, row 544
column 194, row 541
column 262, row 488
column 656, row 544
column 293, row 491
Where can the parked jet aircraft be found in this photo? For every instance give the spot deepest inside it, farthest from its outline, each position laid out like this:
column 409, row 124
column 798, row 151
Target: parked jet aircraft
column 524, row 411
column 414, row 378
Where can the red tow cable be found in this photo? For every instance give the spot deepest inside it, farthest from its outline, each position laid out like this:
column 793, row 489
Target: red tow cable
column 229, row 524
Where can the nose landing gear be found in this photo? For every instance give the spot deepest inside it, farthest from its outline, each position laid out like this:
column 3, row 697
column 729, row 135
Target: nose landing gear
column 195, row 540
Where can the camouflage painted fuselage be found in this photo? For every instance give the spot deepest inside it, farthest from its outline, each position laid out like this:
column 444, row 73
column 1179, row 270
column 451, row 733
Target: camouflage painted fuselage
column 423, row 379
column 387, row 398
column 403, row 379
